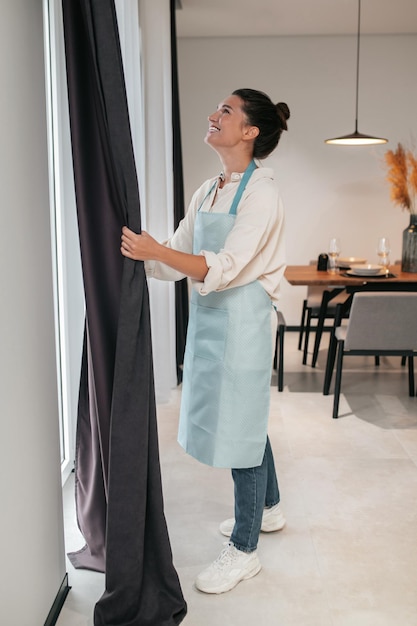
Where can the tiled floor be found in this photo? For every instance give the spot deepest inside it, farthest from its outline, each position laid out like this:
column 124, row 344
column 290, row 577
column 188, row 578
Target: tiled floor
column 348, row 555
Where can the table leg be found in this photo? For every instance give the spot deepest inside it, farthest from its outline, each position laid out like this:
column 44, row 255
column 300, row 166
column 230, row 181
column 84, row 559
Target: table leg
column 331, row 356
column 320, row 325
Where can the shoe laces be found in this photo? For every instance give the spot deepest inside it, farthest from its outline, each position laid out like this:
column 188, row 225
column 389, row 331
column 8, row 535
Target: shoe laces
column 226, row 556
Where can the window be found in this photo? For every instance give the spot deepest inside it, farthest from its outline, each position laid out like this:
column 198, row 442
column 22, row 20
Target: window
column 68, row 283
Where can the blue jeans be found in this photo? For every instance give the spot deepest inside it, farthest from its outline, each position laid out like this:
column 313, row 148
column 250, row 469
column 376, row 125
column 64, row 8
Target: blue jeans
column 255, row 489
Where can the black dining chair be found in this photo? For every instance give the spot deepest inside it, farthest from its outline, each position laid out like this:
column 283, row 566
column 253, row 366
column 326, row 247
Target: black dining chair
column 381, row 323
column 319, row 305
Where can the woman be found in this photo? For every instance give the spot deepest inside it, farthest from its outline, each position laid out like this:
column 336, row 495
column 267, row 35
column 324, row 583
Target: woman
column 230, row 244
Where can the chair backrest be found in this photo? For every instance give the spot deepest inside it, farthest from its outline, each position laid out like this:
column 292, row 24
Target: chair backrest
column 315, row 296
column 382, row 320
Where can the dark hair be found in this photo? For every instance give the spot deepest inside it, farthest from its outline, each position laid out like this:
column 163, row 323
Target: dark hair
column 270, row 118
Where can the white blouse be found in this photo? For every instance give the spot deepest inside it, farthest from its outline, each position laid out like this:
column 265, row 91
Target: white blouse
column 254, row 249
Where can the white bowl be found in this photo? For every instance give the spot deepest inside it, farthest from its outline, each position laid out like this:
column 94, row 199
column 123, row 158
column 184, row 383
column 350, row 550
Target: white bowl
column 366, row 269
column 348, row 261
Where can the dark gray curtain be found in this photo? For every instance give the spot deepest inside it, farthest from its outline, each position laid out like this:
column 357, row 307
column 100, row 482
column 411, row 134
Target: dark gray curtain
column 118, row 482
column 181, row 287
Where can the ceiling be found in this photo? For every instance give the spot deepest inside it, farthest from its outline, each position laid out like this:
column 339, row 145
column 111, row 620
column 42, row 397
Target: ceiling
column 263, row 18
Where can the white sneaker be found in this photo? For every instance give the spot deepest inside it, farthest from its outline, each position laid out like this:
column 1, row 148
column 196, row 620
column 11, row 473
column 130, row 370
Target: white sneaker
column 272, row 520
column 230, row 567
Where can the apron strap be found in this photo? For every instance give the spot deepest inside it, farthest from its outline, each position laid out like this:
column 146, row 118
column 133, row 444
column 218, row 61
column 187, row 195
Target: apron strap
column 208, row 193
column 242, row 185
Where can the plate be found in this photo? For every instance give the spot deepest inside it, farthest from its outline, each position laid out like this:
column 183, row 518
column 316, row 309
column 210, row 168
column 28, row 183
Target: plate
column 366, row 270
column 348, row 261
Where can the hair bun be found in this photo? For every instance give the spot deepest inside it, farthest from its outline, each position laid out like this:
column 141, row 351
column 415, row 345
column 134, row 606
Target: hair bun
column 284, row 113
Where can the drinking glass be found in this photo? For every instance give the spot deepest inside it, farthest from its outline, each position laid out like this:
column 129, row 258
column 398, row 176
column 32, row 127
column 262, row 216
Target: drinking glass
column 334, row 251
column 383, row 249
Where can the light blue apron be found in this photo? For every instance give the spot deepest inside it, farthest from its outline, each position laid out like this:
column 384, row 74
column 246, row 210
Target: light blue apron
column 228, row 361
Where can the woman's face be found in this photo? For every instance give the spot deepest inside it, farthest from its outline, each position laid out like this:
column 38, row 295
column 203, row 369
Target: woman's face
column 227, row 125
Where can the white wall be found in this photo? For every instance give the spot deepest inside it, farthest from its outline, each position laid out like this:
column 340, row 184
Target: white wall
column 327, row 190
column 31, row 526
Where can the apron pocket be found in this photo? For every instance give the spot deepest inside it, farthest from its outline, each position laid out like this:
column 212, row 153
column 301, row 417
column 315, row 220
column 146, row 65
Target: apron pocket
column 207, row 332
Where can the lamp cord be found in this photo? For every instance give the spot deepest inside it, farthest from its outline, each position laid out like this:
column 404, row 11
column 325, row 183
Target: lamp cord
column 357, row 65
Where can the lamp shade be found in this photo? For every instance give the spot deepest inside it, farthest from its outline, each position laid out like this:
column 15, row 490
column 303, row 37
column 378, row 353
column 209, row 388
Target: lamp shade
column 356, row 138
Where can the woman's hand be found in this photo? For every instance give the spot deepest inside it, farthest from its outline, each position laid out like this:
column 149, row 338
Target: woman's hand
column 141, row 247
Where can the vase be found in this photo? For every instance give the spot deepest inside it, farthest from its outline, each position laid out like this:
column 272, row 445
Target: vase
column 409, row 252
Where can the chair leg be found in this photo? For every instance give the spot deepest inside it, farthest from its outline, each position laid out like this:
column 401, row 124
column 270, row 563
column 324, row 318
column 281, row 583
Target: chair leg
column 338, row 380
column 275, row 362
column 411, row 389
column 302, row 324
column 331, row 353
column 280, row 352
column 307, row 334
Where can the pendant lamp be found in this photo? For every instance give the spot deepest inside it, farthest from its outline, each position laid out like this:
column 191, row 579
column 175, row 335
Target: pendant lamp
column 356, row 138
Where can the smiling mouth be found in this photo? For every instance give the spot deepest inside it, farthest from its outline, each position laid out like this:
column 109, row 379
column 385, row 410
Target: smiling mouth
column 213, row 129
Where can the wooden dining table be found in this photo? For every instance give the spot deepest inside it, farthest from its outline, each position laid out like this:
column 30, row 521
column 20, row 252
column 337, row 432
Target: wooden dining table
column 335, row 283
column 309, row 275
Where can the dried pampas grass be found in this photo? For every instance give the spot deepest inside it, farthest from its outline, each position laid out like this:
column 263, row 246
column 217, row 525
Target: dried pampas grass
column 402, row 175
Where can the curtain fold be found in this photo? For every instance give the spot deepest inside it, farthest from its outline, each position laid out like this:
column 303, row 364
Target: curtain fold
column 118, row 480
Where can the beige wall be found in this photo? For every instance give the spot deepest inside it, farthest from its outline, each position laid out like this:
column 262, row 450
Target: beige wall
column 31, row 527
column 328, row 190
